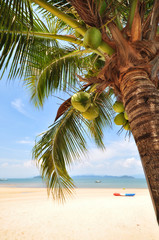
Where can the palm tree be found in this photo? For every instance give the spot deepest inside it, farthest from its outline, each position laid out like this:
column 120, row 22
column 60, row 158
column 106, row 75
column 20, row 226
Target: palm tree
column 126, row 61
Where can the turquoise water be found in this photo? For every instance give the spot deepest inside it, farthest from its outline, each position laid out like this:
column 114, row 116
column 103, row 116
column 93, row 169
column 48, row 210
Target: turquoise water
column 109, row 182
column 81, row 182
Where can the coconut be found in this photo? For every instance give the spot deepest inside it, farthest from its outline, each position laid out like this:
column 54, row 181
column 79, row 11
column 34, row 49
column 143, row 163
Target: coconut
column 118, row 107
column 81, row 101
column 126, row 115
column 91, row 113
column 119, row 119
column 126, row 126
column 92, row 38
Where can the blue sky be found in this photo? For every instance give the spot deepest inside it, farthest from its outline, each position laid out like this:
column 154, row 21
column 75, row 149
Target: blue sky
column 21, row 122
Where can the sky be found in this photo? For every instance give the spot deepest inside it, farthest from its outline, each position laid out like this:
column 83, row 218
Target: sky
column 21, row 122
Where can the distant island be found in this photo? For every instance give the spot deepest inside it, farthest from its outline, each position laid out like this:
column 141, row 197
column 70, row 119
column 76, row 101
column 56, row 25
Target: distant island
column 125, row 176
column 105, row 176
column 101, row 176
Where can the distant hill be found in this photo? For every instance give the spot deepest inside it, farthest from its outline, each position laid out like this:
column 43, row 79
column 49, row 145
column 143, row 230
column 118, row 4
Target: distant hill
column 98, row 176
column 125, row 176
column 37, row 176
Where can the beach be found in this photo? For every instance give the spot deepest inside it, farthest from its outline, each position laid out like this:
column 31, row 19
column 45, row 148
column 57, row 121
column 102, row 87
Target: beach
column 91, row 214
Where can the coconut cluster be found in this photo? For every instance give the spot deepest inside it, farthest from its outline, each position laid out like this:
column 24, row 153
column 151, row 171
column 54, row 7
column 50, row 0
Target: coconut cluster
column 122, row 117
column 81, row 101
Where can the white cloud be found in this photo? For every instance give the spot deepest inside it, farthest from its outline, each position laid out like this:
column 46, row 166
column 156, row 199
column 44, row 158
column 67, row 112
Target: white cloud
column 26, row 142
column 18, row 105
column 29, row 164
column 13, row 168
column 5, row 164
column 119, row 158
column 129, row 163
column 18, row 163
column 114, row 150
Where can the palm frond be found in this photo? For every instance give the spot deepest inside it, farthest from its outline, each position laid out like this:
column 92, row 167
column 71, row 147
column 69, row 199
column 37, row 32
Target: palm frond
column 16, row 41
column 63, row 107
column 17, row 34
column 11, row 10
column 62, row 5
column 54, row 69
column 11, row 20
column 64, row 143
column 58, row 148
column 19, row 43
column 23, row 10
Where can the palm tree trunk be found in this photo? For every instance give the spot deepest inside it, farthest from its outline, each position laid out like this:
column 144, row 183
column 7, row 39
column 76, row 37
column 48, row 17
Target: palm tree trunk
column 141, row 100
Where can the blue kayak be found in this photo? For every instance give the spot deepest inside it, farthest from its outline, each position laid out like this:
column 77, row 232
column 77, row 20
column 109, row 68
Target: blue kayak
column 124, row 194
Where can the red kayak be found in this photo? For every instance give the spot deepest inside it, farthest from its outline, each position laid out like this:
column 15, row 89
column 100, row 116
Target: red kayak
column 124, row 194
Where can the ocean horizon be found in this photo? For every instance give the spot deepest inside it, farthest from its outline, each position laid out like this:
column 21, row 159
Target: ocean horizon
column 84, row 181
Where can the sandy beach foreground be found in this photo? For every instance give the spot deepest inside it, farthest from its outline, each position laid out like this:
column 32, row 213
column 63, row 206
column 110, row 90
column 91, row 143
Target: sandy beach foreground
column 93, row 214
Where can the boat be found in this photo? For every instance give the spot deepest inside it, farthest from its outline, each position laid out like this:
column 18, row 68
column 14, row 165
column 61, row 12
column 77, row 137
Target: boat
column 124, row 194
column 97, row 181
column 3, row 179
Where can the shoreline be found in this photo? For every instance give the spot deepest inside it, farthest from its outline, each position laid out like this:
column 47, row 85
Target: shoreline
column 91, row 214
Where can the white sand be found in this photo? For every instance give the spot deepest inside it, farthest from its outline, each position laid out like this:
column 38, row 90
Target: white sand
column 93, row 214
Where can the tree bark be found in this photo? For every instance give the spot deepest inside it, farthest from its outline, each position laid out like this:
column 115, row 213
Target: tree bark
column 141, row 100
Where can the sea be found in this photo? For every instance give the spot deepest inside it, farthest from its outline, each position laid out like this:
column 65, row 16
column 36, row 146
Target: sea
column 80, row 182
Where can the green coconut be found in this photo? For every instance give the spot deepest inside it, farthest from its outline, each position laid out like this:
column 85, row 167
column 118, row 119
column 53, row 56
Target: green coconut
column 126, row 115
column 118, row 107
column 92, row 38
column 120, row 119
column 81, row 101
column 91, row 113
column 126, row 126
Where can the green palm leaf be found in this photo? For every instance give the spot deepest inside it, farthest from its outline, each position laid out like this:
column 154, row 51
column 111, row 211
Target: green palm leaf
column 54, row 71
column 56, row 149
column 62, row 5
column 65, row 142
column 16, row 41
column 17, row 27
column 10, row 10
